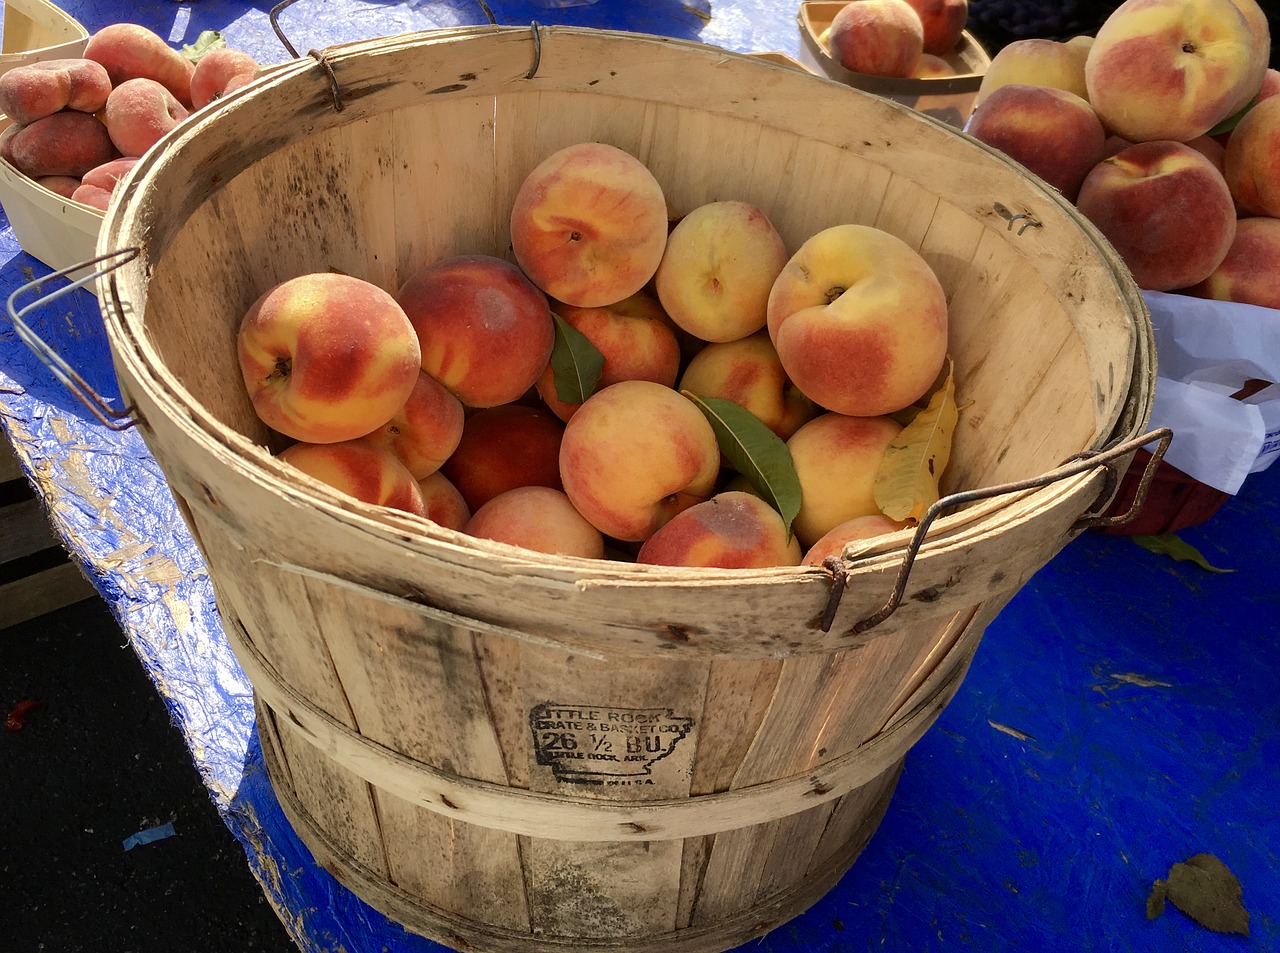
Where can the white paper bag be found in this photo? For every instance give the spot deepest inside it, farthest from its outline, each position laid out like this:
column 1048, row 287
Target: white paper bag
column 1206, row 351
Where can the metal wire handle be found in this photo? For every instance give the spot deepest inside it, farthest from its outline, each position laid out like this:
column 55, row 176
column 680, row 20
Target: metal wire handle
column 1080, row 463
column 70, row 378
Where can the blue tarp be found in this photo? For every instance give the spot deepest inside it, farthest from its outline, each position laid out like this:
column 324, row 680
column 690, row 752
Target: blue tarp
column 1121, row 714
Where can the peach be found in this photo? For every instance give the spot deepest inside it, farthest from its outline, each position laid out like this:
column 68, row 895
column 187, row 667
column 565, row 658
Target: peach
column 1259, row 29
column 932, row 67
column 444, row 503
column 1173, row 69
column 132, row 51
column 943, row 21
column 1165, row 208
column 1052, row 132
column 109, row 174
column 632, row 336
column 63, row 185
column 486, row 331
column 589, row 224
column 35, row 90
column 93, row 196
column 98, row 184
column 729, row 531
column 218, row 72
column 836, row 459
column 327, row 357
column 836, row 539
column 1270, row 84
column 1251, row 164
column 877, row 37
column 719, row 264
column 502, row 448
column 749, row 373
column 139, row 112
column 1037, row 61
column 359, row 469
column 426, row 430
column 1250, row 274
column 537, row 518
column 634, row 455
column 859, row 321
column 1211, row 149
column 66, row 143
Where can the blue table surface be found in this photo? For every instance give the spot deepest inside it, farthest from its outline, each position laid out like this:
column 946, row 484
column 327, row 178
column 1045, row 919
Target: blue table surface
column 1122, row 712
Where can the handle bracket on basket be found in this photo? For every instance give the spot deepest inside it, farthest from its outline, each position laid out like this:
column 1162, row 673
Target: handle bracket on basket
column 96, row 404
column 322, row 56
column 1077, row 464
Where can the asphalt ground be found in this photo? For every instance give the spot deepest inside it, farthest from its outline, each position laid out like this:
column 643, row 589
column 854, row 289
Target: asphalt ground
column 97, row 761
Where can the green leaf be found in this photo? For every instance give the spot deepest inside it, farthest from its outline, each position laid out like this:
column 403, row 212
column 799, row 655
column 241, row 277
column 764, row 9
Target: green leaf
column 755, row 451
column 575, row 362
column 1233, row 120
column 1175, row 547
column 1206, row 890
column 206, row 41
column 907, row 481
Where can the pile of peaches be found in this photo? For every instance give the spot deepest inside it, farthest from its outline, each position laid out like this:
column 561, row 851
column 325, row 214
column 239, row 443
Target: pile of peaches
column 79, row 124
column 900, row 39
column 1164, row 130
column 624, row 386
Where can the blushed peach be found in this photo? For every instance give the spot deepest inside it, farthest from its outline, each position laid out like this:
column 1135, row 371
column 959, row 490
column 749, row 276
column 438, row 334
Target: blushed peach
column 836, row 459
column 424, row 432
column 728, row 531
column 1270, row 84
column 589, row 224
column 1165, row 208
column 444, row 503
column 537, row 518
column 859, row 321
column 716, row 271
column 99, row 183
column 837, row 539
column 877, row 37
column 139, row 112
column 361, row 470
column 749, row 373
column 1250, row 273
column 502, row 448
column 63, row 185
column 932, row 67
column 1251, row 164
column 486, row 331
column 132, row 51
column 1037, row 61
column 219, row 72
column 35, row 90
column 1052, row 132
column 634, row 338
column 634, row 455
column 942, row 21
column 67, row 143
column 327, row 357
column 1173, row 69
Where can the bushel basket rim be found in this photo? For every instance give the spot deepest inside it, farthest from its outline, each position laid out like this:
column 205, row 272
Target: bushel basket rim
column 1130, row 416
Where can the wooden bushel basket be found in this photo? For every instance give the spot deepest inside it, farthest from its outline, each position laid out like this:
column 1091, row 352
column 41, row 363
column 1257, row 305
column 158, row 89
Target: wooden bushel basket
column 516, row 752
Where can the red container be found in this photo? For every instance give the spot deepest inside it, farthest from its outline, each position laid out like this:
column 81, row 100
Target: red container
column 1174, row 500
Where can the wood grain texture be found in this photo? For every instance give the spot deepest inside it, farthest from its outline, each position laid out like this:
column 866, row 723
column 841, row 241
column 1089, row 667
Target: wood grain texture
column 529, row 753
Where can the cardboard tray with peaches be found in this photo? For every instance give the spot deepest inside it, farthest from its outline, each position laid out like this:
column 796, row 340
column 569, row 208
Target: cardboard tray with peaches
column 948, row 98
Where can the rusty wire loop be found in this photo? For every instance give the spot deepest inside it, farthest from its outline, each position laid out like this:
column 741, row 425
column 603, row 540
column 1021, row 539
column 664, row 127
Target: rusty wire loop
column 71, row 379
column 1073, row 466
column 320, row 56
column 1026, row 218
